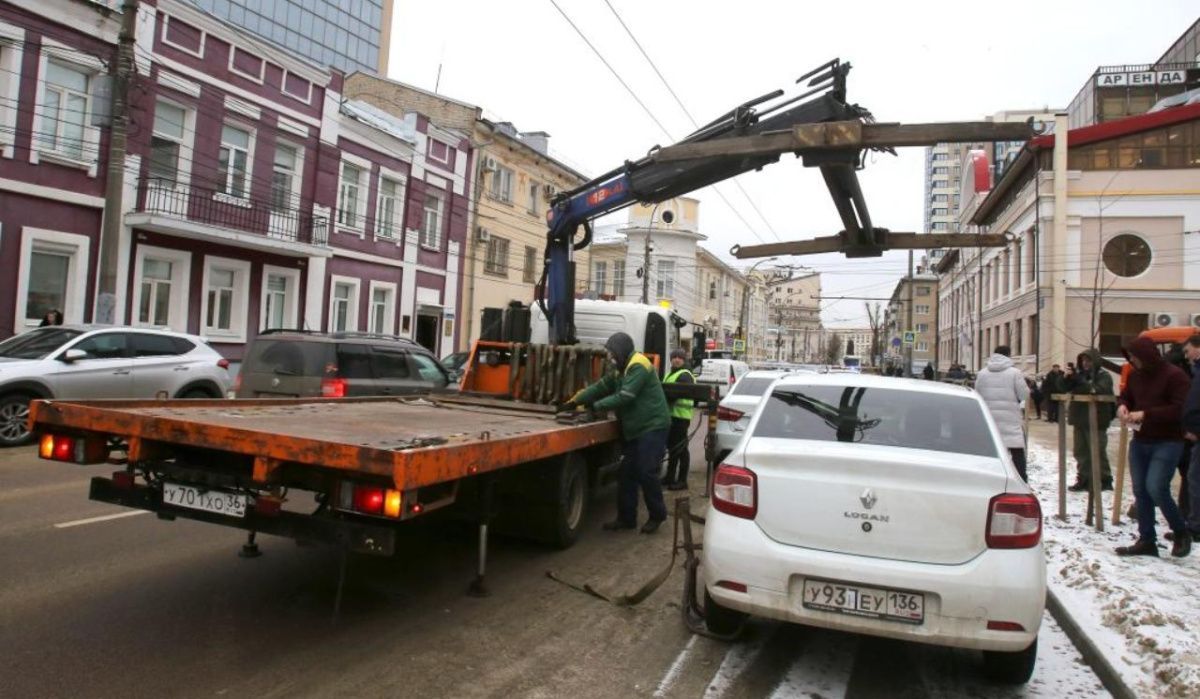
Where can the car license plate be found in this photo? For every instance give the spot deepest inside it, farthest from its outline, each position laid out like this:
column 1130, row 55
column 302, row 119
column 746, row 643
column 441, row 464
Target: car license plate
column 232, row 504
column 873, row 602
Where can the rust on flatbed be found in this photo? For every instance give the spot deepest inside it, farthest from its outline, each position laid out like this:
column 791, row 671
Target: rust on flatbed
column 415, row 442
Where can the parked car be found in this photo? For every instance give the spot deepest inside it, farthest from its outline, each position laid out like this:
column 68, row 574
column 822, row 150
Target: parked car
column 455, row 364
column 879, row 506
column 721, row 372
column 100, row 361
column 301, row 364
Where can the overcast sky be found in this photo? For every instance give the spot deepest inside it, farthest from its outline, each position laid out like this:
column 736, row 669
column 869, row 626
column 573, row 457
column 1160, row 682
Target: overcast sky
column 522, row 62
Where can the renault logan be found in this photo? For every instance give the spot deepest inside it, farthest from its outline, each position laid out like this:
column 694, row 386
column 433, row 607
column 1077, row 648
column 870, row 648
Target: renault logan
column 878, row 506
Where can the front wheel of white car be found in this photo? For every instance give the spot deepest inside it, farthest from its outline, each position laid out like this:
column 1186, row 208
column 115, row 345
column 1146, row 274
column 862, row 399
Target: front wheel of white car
column 722, row 621
column 1010, row 668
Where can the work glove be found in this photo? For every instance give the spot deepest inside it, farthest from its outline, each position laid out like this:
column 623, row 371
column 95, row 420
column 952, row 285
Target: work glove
column 566, row 406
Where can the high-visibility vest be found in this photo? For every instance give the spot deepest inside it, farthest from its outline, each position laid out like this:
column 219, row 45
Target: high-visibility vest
column 681, row 408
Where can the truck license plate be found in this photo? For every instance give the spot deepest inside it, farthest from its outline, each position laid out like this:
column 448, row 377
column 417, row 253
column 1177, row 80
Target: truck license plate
column 876, row 603
column 233, row 504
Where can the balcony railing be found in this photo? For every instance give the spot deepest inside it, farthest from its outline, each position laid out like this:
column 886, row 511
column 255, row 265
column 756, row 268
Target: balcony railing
column 214, row 208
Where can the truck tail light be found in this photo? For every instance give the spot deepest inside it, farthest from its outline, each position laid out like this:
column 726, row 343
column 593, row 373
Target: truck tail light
column 735, row 491
column 1014, row 521
column 729, row 414
column 75, row 450
column 370, row 500
column 333, row 388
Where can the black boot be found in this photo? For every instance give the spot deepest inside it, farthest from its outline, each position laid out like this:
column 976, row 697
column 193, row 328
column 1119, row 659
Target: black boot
column 1106, row 484
column 1079, row 487
column 616, row 525
column 1141, row 547
column 1182, row 545
column 651, row 526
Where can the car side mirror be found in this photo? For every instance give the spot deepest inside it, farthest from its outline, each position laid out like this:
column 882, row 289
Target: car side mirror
column 73, row 355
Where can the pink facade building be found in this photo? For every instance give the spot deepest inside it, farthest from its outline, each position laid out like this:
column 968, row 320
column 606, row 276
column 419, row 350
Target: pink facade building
column 255, row 195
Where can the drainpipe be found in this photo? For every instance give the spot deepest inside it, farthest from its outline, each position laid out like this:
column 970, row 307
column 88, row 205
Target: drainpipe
column 1058, row 348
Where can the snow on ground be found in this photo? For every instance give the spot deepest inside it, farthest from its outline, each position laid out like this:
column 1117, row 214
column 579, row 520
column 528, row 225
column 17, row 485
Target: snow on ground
column 1143, row 613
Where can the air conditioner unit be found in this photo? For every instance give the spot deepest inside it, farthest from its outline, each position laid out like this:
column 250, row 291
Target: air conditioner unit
column 482, row 235
column 489, row 164
column 1196, row 320
column 1162, row 319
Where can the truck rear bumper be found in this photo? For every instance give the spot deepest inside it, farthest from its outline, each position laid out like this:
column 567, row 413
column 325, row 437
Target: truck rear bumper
column 379, row 540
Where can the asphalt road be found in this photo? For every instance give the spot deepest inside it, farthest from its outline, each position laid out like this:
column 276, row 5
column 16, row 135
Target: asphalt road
column 121, row 605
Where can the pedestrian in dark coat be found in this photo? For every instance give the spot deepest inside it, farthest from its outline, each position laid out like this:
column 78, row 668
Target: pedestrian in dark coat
column 1090, row 380
column 928, row 373
column 1191, row 433
column 1152, row 405
column 1052, row 384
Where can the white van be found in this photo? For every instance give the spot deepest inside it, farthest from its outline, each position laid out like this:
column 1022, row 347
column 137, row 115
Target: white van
column 654, row 329
column 722, row 372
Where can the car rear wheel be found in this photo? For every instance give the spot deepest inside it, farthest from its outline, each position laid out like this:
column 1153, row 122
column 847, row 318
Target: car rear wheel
column 1010, row 668
column 197, row 393
column 721, row 620
column 14, row 420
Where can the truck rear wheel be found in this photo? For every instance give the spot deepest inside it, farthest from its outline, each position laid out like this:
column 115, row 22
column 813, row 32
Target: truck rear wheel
column 564, row 515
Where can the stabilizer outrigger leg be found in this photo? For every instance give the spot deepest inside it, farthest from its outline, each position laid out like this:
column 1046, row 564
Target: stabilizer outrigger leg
column 478, row 586
column 250, row 549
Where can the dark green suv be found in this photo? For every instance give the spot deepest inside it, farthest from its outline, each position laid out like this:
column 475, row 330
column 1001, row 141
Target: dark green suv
column 301, row 364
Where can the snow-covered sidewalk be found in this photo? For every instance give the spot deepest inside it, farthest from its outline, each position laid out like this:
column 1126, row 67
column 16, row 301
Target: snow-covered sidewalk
column 1142, row 613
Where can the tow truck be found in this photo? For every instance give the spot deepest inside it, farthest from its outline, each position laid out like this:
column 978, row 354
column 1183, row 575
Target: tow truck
column 496, row 449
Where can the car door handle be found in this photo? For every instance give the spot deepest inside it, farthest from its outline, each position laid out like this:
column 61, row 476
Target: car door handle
column 182, row 368
column 121, row 372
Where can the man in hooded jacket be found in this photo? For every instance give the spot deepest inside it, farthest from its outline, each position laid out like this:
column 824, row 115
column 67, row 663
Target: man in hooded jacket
column 1090, row 379
column 1003, row 388
column 1152, row 405
column 633, row 390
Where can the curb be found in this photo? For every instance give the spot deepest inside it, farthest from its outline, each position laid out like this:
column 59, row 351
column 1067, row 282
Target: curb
column 1092, row 655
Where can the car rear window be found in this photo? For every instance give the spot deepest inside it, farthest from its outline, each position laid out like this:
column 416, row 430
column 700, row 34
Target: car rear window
column 878, row 416
column 151, row 345
column 753, row 385
column 288, row 358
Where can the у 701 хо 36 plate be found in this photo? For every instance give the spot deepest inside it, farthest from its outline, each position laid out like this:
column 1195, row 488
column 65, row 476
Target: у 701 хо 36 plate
column 860, row 600
column 179, row 495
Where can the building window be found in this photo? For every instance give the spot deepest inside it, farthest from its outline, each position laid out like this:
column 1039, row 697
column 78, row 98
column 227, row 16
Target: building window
column 923, row 290
column 390, row 213
column 500, row 185
column 225, row 294
column 712, row 290
column 531, row 259
column 165, row 143
column 618, row 275
column 940, row 226
column 160, row 295
column 343, row 304
column 350, row 197
column 431, row 221
column 52, row 276
column 921, row 309
column 664, row 284
column 599, row 276
column 233, row 162
column 155, row 305
column 279, row 294
column 66, row 109
column 284, row 177
column 1119, row 329
column 383, row 308
column 496, row 258
column 1127, row 255
column 534, row 191
column 48, row 275
column 922, row 346
column 922, row 327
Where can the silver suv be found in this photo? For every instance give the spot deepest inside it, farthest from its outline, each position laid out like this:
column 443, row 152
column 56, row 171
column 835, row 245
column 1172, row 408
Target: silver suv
column 102, row 361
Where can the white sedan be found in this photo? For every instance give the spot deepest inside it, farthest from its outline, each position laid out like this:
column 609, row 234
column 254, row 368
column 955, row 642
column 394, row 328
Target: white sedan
column 883, row 507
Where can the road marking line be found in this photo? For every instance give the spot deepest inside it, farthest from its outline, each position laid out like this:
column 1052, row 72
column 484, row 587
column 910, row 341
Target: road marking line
column 739, row 657
column 822, row 670
column 104, row 518
column 668, row 679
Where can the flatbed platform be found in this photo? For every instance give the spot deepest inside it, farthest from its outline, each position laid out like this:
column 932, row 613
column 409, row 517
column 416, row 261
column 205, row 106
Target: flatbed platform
column 416, row 441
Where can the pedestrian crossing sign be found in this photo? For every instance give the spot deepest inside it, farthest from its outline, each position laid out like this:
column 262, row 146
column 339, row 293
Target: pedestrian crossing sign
column 910, row 337
column 739, row 345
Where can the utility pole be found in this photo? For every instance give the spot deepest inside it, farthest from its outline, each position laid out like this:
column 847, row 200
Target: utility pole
column 908, row 319
column 114, row 185
column 646, row 267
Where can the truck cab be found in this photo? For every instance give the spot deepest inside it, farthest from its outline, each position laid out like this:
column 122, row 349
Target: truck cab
column 654, row 329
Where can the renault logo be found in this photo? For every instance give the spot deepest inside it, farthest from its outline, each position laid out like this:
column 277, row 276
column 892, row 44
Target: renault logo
column 274, row 381
column 867, row 498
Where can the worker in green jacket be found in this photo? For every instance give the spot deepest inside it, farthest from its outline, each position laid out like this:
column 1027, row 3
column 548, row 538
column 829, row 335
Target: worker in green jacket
column 632, row 389
column 678, row 457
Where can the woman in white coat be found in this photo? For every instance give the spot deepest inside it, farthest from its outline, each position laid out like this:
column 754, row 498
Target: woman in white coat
column 1003, row 388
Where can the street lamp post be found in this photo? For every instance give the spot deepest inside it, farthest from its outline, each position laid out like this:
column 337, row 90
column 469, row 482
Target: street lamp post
column 667, row 218
column 746, row 303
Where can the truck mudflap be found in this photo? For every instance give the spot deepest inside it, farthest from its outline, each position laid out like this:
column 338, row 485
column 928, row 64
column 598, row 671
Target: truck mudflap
column 359, row 537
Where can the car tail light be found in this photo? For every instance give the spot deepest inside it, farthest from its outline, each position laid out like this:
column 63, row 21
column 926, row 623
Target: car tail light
column 370, row 500
column 735, row 491
column 223, row 363
column 730, row 585
column 729, row 414
column 76, row 450
column 333, row 388
column 1014, row 521
column 994, row 625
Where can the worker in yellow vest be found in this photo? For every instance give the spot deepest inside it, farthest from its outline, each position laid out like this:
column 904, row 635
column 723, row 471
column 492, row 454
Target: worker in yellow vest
column 678, row 457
